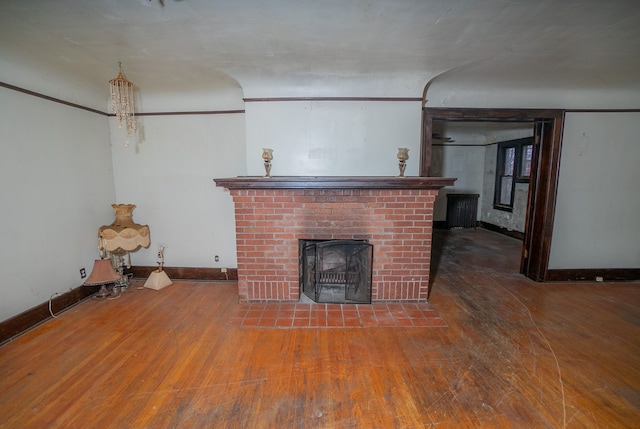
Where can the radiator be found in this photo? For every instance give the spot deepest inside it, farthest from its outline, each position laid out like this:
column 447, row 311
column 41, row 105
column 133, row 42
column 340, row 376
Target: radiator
column 462, row 210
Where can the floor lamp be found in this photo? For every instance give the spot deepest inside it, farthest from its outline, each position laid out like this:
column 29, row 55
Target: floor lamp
column 115, row 241
column 123, row 236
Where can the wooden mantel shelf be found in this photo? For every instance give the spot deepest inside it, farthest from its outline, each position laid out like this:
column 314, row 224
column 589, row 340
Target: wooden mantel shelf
column 334, row 182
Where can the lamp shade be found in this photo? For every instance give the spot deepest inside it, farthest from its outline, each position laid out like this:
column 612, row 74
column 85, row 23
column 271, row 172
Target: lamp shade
column 102, row 273
column 158, row 280
column 123, row 235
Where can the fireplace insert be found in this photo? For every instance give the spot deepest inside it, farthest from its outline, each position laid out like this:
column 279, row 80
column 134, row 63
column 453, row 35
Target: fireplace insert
column 336, row 271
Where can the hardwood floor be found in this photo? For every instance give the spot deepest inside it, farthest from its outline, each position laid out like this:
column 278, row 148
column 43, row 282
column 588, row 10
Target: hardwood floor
column 516, row 354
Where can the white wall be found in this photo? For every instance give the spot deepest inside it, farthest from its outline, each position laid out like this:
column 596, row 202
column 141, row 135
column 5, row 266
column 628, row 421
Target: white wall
column 471, row 158
column 60, row 175
column 333, row 138
column 514, row 220
column 466, row 163
column 450, row 91
column 168, row 174
column 55, row 175
column 597, row 221
column 475, row 170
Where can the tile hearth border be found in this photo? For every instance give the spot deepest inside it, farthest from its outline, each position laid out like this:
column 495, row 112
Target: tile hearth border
column 300, row 315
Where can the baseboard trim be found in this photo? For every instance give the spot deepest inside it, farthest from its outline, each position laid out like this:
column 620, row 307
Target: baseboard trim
column 590, row 274
column 443, row 224
column 186, row 273
column 501, row 230
column 21, row 323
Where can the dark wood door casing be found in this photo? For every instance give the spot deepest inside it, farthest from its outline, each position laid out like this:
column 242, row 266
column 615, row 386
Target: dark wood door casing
column 542, row 199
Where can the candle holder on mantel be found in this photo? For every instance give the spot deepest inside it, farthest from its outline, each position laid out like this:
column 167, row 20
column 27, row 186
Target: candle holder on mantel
column 267, row 155
column 403, row 155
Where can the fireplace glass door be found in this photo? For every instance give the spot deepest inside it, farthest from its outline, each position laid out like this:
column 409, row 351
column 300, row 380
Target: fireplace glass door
column 336, row 271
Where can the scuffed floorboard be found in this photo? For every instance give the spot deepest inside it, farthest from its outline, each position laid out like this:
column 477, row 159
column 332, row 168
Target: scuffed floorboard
column 515, row 354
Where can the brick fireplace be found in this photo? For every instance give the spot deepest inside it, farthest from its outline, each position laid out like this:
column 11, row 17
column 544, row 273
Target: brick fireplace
column 393, row 214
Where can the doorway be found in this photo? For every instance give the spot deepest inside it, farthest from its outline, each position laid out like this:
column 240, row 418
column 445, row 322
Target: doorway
column 547, row 125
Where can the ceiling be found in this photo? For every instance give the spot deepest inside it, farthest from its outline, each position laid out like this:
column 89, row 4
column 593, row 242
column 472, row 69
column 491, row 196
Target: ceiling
column 282, row 48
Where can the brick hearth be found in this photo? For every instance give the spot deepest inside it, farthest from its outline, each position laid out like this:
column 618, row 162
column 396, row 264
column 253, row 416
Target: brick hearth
column 271, row 218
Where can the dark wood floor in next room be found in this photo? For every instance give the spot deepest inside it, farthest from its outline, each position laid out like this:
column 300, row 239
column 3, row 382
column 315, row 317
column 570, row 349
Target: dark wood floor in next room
column 514, row 354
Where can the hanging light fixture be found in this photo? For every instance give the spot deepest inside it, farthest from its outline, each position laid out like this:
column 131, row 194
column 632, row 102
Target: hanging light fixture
column 121, row 91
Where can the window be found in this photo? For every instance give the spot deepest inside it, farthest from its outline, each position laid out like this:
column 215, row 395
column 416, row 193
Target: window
column 513, row 166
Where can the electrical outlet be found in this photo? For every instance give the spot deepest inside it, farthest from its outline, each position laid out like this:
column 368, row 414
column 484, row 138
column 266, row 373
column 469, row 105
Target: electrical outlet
column 83, row 273
column 223, row 270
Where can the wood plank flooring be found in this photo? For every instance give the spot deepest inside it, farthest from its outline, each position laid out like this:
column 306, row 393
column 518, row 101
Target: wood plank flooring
column 516, row 354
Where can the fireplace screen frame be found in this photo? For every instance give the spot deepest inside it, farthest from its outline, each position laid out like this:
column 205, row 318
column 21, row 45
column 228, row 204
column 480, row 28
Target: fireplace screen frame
column 345, row 273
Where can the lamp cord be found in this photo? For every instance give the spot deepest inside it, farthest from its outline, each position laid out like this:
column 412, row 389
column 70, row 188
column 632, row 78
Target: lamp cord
column 50, row 310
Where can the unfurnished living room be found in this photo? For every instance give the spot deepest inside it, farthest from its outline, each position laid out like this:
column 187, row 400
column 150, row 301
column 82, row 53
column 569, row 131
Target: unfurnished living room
column 329, row 214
